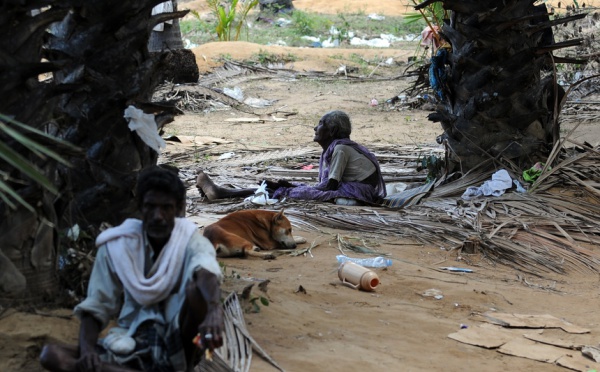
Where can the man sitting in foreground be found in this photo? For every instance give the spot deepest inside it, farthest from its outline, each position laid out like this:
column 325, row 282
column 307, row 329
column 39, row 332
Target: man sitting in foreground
column 348, row 172
column 167, row 274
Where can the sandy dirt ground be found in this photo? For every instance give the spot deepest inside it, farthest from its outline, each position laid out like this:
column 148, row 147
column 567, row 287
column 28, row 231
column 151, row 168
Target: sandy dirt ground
column 312, row 322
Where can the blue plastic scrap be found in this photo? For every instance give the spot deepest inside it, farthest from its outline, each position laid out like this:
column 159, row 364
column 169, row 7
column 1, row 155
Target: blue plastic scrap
column 456, row 269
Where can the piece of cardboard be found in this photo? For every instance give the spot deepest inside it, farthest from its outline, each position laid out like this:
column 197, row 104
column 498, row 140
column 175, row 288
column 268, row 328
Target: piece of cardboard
column 484, row 335
column 525, row 348
column 578, row 362
column 533, row 321
column 563, row 342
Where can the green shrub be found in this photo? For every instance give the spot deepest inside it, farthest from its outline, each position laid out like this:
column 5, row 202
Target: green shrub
column 303, row 23
column 230, row 20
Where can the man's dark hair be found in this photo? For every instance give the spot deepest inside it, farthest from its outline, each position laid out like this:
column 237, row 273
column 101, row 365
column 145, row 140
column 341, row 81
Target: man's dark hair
column 338, row 124
column 163, row 180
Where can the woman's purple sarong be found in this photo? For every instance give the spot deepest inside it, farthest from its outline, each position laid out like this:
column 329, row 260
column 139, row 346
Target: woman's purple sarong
column 354, row 190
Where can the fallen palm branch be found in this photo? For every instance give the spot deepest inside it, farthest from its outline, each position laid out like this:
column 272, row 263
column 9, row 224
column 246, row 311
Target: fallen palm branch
column 344, row 243
column 236, row 352
column 534, row 233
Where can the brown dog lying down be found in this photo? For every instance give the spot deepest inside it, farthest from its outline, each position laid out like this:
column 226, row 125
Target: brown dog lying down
column 249, row 232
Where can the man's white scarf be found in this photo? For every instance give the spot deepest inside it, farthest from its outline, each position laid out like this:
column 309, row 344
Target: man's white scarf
column 125, row 247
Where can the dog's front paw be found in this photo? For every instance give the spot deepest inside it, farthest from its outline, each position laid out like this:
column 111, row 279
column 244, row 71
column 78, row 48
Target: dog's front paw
column 299, row 239
column 268, row 256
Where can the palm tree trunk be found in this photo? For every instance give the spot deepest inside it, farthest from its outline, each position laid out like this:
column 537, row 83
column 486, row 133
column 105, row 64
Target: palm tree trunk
column 497, row 100
column 98, row 55
column 181, row 67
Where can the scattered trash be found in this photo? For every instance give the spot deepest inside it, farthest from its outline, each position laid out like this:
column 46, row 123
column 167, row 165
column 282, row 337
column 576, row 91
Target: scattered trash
column 357, row 277
column 428, row 37
column 73, row 232
column 258, row 102
column 145, row 127
column 236, row 93
column 395, row 187
column 435, row 293
column 532, row 174
column 376, row 17
column 533, row 321
column 518, row 186
column 187, row 44
column 377, row 42
column 457, row 269
column 373, row 102
column 278, row 42
column 282, row 22
column 261, row 196
column 463, row 326
column 499, row 183
column 311, row 38
column 227, row 155
column 330, row 43
column 307, row 167
column 367, row 262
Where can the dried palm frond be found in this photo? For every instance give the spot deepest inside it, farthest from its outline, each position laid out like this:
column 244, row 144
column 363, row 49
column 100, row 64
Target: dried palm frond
column 536, row 233
column 237, row 348
column 344, row 243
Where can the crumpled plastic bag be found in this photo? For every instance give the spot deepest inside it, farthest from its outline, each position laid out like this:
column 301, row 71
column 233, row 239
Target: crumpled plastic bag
column 261, row 196
column 499, row 183
column 145, row 127
column 532, row 174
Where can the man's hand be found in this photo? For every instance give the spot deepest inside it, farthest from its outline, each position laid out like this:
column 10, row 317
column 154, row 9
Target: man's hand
column 89, row 361
column 211, row 329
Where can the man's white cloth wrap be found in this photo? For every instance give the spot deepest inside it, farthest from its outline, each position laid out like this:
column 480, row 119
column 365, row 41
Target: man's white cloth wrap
column 125, row 246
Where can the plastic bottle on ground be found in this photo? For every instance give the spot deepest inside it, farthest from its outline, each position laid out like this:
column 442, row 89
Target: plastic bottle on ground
column 358, row 277
column 366, row 262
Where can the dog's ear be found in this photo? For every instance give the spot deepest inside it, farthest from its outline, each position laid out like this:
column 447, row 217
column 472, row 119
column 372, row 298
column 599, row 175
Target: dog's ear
column 279, row 215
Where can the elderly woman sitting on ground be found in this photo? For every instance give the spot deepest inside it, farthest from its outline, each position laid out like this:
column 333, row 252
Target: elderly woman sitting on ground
column 349, row 173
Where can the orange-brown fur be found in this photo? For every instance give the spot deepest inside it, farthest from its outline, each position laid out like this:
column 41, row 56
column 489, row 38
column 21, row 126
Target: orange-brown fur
column 249, row 232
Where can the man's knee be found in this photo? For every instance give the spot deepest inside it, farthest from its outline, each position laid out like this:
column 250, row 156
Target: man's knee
column 56, row 358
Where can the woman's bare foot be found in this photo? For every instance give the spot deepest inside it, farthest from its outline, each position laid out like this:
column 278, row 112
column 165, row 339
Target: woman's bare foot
column 213, row 192
column 206, row 186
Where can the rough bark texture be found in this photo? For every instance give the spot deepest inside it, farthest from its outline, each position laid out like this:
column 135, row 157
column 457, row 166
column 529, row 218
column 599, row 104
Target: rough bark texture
column 97, row 51
column 495, row 101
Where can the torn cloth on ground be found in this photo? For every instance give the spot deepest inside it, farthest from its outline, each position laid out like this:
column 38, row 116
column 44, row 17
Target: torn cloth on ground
column 499, row 183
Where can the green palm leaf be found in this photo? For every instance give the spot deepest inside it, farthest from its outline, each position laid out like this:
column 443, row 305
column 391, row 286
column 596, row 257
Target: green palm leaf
column 18, row 161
